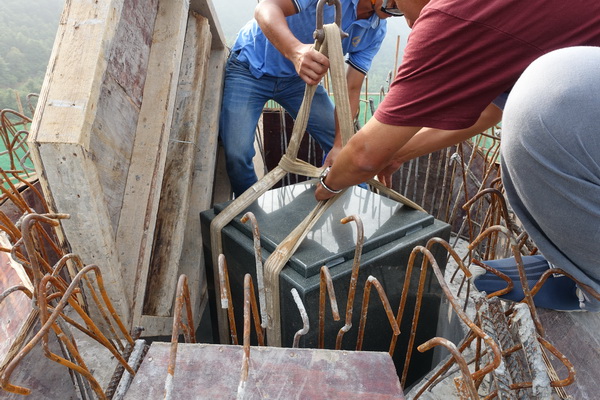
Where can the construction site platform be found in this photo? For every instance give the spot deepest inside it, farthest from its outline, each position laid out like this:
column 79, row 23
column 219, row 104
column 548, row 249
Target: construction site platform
column 208, row 371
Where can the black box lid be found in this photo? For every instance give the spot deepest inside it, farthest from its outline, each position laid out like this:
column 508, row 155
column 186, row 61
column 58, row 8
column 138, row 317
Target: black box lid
column 329, row 242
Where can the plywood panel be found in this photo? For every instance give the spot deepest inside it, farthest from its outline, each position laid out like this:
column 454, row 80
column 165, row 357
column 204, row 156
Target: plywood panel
column 575, row 334
column 100, row 138
column 113, row 133
column 84, row 127
column 213, row 372
column 144, row 179
column 129, row 55
column 177, row 181
column 192, row 257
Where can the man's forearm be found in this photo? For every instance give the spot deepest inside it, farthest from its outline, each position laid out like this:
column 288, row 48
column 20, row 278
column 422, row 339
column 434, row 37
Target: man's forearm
column 270, row 16
column 367, row 152
column 428, row 140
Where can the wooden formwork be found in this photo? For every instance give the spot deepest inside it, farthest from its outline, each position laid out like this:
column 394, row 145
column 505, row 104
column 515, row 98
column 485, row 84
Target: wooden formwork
column 124, row 140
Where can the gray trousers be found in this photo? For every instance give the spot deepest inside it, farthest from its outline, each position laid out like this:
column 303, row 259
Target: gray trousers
column 551, row 159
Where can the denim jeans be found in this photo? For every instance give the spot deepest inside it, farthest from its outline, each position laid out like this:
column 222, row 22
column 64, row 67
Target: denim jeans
column 244, row 97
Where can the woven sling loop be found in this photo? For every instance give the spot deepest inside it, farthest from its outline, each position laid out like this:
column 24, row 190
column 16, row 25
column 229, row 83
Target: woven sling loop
column 332, row 48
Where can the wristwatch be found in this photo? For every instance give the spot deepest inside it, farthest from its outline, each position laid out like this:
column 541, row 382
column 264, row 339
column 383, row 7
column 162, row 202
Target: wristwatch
column 322, row 180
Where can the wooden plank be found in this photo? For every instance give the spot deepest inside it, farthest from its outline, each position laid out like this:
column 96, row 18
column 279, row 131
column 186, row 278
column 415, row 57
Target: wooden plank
column 177, row 181
column 137, row 220
column 192, row 256
column 207, row 10
column 101, row 131
column 575, row 334
column 206, row 371
column 163, row 326
column 191, row 260
column 88, row 230
column 82, row 134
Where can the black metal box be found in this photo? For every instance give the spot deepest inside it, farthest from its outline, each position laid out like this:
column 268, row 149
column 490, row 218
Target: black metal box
column 391, row 231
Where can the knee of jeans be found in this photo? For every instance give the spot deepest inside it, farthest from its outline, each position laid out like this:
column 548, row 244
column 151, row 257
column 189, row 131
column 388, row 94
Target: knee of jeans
column 237, row 159
column 322, row 129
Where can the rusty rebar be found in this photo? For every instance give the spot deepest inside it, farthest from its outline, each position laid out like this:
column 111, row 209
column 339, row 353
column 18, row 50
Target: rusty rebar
column 538, row 285
column 182, row 298
column 496, row 200
column 16, row 288
column 353, row 278
column 29, row 241
column 564, row 360
column 458, row 358
column 561, row 357
column 528, row 298
column 509, row 283
column 110, row 310
column 459, row 262
column 47, row 324
column 119, row 369
column 372, row 281
column 92, row 291
column 260, row 280
column 260, row 334
column 41, row 235
column 303, row 315
column 68, row 298
column 429, row 260
column 226, row 302
column 249, row 308
column 326, row 284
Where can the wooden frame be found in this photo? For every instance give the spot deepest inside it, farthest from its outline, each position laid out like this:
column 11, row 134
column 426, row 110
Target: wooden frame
column 124, row 89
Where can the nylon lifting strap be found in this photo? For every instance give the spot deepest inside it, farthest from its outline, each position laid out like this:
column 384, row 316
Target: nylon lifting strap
column 331, row 47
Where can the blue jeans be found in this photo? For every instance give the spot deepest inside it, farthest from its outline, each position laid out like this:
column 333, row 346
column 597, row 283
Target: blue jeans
column 244, row 97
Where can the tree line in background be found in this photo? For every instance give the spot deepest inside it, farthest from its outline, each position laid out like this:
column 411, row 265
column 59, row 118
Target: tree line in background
column 27, row 31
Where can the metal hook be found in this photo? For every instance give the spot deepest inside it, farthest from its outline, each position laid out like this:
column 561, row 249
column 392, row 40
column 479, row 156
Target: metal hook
column 319, row 34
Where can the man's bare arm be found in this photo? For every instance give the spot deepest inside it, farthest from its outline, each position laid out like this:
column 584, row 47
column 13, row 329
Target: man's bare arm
column 367, row 153
column 428, row 140
column 309, row 63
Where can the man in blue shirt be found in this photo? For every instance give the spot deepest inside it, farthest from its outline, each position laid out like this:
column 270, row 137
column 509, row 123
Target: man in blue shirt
column 273, row 59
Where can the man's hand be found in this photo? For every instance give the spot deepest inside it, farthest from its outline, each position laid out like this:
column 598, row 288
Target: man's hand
column 332, row 155
column 385, row 175
column 310, row 65
column 322, row 194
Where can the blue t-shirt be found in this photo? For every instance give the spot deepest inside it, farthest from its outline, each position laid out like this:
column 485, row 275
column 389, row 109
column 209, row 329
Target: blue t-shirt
column 363, row 42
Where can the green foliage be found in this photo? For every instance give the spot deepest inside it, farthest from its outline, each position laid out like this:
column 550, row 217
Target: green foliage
column 27, row 31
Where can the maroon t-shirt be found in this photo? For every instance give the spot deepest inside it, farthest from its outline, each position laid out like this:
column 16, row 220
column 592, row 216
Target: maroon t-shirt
column 462, row 54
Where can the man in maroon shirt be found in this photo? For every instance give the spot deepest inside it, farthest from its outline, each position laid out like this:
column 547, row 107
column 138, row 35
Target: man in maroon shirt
column 462, row 56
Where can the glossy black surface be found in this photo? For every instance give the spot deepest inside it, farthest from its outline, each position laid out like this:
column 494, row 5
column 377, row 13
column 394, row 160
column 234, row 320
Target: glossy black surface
column 329, row 242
